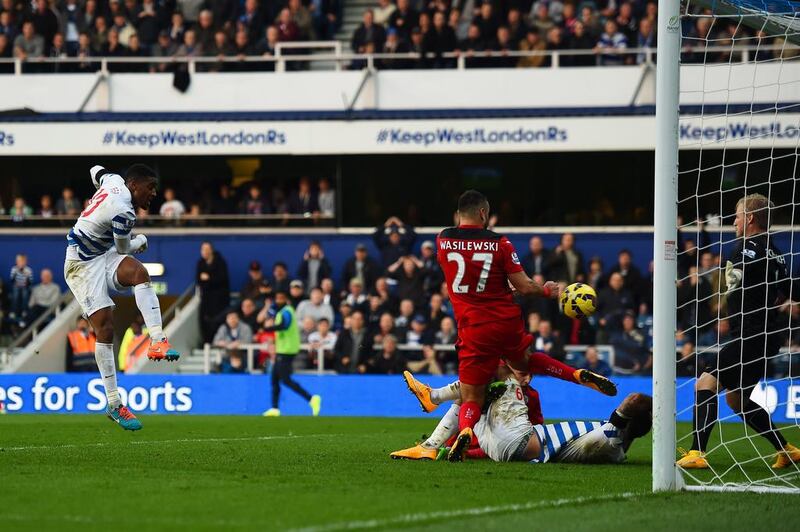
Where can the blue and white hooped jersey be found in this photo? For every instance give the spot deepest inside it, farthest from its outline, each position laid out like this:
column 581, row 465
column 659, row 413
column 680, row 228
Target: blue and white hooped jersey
column 109, row 213
column 554, row 437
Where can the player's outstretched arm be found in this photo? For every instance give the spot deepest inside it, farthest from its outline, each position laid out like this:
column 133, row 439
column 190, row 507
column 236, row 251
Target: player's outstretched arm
column 528, row 287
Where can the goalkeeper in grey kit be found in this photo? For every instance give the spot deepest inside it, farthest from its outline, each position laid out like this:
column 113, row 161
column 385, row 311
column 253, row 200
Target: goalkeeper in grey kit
column 757, row 280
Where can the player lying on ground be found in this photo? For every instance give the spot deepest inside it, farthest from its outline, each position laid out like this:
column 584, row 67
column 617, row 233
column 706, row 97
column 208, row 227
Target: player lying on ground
column 757, row 280
column 98, row 259
column 538, row 364
column 480, row 267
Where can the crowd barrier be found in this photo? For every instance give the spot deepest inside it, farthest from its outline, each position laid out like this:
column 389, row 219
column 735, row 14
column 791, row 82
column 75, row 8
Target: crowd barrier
column 342, row 395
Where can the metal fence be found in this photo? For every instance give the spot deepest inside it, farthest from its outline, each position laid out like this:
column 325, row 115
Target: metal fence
column 296, row 55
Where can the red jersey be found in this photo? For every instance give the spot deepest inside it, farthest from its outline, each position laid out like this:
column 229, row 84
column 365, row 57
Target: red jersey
column 476, row 263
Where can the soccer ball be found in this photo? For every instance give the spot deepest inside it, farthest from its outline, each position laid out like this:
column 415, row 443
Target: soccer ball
column 578, row 300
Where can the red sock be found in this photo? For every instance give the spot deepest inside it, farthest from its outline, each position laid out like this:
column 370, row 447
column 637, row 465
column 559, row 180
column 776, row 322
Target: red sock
column 468, row 415
column 541, row 364
column 476, row 454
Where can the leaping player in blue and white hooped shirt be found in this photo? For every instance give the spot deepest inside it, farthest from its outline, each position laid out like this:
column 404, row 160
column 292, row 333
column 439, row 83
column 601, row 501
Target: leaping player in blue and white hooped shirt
column 99, row 259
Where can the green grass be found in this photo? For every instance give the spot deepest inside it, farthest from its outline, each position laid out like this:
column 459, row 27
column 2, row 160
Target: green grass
column 242, row 473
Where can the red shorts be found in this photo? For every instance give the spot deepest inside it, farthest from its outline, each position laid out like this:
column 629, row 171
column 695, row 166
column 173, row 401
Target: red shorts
column 480, row 348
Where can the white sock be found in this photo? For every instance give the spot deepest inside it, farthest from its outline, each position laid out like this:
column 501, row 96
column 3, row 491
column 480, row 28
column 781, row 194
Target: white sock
column 451, row 392
column 147, row 301
column 104, row 356
column 446, row 428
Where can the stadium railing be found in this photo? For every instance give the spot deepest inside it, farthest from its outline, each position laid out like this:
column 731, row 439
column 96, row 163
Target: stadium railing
column 340, row 59
column 212, row 356
column 29, row 334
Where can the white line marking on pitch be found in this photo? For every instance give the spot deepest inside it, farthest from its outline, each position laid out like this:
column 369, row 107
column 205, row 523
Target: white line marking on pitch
column 422, row 517
column 149, row 442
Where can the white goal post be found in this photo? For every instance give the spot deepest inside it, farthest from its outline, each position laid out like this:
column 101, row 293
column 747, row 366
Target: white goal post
column 741, row 98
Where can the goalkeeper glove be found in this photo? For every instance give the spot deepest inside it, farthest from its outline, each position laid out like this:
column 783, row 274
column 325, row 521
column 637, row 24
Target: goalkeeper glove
column 138, row 244
column 733, row 277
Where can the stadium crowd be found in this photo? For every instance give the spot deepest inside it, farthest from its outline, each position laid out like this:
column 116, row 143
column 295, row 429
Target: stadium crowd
column 385, row 313
column 162, row 29
column 314, row 199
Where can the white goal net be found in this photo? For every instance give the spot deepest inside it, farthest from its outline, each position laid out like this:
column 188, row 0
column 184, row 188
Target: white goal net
column 739, row 135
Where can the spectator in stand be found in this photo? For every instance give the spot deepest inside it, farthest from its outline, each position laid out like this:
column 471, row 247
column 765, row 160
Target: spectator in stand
column 45, row 21
column 7, row 26
column 385, row 327
column 387, row 299
column 356, row 297
column 224, row 202
column 267, row 46
column 251, row 20
column 394, row 45
column 547, row 341
column 694, row 298
column 595, row 276
column 315, row 308
column 487, row 22
column 326, row 14
column 176, row 28
column 431, row 271
column 80, row 348
column 46, row 209
column 124, row 29
column 28, row 45
column 536, row 261
column 5, row 53
column 721, row 333
column 135, row 50
column 566, row 262
column 590, row 22
column 230, row 336
column 304, row 199
column 554, row 43
column 100, row 34
column 325, row 339
column 212, row 280
column 315, row 267
column 580, row 40
column 630, row 346
column 532, row 42
column 21, row 278
column 407, row 272
column 164, row 48
column 287, row 29
column 368, row 33
column 257, row 287
column 383, row 12
column 254, row 203
column 68, row 204
column 632, row 277
column 440, row 39
column 280, row 277
column 394, row 240
column 134, row 345
column 436, row 311
column 114, row 48
column 404, row 19
column 593, row 363
column 611, row 41
column 361, row 266
column 352, row 348
column 613, row 302
column 459, row 23
column 329, row 294
column 248, row 313
column 302, row 18
column 388, row 362
column 447, row 335
column 568, row 18
column 502, row 43
column 172, row 207
column 147, row 24
column 206, row 29
column 83, row 53
column 326, row 198
column 190, row 46
column 627, row 23
column 403, row 320
column 297, row 292
column 541, row 19
column 517, row 27
column 44, row 295
column 58, row 50
column 474, row 42
column 419, row 334
column 307, row 326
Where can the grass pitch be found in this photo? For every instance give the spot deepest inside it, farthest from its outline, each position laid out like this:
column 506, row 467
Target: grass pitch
column 76, row 472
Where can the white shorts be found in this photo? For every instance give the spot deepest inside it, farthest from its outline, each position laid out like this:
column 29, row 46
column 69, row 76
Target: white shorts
column 90, row 281
column 500, row 437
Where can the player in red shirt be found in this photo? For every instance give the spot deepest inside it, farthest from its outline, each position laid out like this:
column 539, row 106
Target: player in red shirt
column 478, row 265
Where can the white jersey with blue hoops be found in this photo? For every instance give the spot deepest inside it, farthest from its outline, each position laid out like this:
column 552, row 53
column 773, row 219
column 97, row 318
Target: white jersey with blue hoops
column 108, row 216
